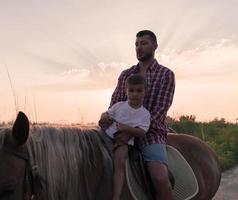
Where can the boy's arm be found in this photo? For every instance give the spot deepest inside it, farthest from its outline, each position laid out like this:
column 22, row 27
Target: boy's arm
column 132, row 131
column 127, row 132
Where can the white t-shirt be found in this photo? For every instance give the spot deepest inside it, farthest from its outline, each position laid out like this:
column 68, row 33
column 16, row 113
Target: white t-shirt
column 123, row 113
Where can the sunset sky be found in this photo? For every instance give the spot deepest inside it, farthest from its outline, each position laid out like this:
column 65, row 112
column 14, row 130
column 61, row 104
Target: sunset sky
column 60, row 59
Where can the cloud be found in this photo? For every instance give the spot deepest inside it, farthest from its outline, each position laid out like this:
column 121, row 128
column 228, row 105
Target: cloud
column 211, row 62
column 99, row 77
column 214, row 61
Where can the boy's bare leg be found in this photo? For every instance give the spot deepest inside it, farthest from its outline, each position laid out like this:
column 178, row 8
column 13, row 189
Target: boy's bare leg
column 120, row 156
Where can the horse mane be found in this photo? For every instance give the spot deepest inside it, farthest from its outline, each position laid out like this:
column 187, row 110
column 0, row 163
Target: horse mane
column 68, row 158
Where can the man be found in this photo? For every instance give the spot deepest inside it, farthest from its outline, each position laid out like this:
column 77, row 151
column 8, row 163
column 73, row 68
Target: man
column 158, row 99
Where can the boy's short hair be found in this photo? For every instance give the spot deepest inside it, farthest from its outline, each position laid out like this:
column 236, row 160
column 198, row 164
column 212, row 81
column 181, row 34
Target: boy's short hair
column 136, row 79
column 149, row 33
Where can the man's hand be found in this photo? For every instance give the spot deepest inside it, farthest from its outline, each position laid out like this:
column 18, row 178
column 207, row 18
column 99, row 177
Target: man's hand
column 105, row 118
column 105, row 121
column 122, row 127
column 122, row 138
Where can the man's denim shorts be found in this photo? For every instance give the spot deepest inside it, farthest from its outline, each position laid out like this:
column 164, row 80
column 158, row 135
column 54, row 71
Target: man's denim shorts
column 155, row 152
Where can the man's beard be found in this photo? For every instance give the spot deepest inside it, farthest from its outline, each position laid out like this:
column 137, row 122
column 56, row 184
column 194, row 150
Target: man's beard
column 145, row 57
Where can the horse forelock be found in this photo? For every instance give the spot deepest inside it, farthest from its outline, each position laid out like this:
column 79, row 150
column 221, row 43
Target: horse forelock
column 2, row 136
column 4, row 132
column 68, row 159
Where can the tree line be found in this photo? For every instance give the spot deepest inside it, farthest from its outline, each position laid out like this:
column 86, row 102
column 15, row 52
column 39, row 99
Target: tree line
column 220, row 135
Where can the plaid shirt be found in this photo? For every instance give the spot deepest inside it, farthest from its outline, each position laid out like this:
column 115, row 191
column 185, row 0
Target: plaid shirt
column 158, row 99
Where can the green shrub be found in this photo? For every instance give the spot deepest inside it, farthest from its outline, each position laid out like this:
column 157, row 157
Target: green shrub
column 221, row 136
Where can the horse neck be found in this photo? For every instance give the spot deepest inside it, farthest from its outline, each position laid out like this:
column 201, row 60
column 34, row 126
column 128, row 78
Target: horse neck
column 71, row 160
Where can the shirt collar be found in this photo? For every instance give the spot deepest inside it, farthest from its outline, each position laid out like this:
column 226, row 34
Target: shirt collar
column 151, row 67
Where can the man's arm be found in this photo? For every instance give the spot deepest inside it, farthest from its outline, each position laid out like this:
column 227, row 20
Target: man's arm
column 164, row 98
column 119, row 92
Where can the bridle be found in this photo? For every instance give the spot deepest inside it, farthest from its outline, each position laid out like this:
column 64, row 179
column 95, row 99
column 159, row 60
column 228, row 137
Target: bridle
column 32, row 181
column 28, row 184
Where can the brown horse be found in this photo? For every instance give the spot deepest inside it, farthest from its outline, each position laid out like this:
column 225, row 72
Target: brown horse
column 76, row 163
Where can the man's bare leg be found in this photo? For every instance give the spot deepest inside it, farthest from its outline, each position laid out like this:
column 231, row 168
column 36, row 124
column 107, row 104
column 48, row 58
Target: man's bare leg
column 120, row 156
column 160, row 180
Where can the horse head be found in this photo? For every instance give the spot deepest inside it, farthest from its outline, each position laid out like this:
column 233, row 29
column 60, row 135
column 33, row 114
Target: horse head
column 14, row 159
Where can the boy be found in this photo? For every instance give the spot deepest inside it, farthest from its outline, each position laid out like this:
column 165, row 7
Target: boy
column 126, row 116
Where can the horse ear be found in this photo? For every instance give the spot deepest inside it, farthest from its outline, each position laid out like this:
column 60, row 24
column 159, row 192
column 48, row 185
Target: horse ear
column 20, row 129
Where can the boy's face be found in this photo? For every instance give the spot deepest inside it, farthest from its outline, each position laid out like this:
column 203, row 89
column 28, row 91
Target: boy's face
column 135, row 94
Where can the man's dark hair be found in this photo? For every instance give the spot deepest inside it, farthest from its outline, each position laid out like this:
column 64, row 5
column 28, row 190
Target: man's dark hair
column 136, row 79
column 149, row 33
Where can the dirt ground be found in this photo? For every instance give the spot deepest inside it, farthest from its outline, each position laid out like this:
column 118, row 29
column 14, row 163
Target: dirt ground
column 228, row 189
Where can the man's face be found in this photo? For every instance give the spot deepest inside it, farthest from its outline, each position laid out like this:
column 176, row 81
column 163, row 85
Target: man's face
column 135, row 94
column 145, row 48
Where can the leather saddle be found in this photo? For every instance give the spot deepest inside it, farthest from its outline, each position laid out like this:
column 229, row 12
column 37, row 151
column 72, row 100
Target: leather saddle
column 140, row 172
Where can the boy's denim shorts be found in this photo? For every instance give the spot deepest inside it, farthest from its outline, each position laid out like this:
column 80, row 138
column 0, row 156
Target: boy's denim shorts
column 155, row 152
